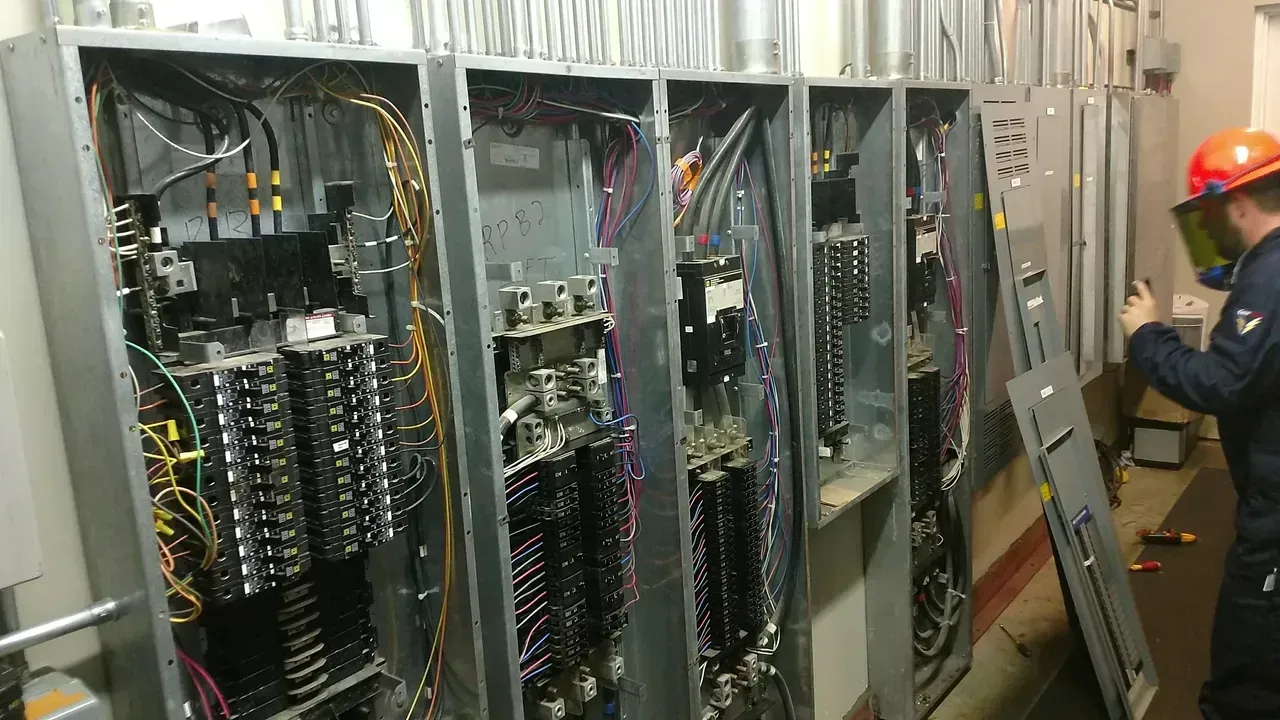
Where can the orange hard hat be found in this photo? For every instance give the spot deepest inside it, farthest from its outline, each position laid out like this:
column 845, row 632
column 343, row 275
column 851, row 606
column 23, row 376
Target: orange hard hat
column 1227, row 162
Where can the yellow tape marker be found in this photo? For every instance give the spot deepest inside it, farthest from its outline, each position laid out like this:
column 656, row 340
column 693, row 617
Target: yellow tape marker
column 1046, row 493
column 979, row 201
column 1000, row 224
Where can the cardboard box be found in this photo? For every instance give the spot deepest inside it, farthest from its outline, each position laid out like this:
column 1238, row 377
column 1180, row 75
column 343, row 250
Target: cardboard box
column 1139, row 401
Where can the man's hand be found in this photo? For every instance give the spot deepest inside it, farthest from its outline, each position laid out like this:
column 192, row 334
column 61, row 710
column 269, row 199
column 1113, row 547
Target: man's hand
column 1139, row 310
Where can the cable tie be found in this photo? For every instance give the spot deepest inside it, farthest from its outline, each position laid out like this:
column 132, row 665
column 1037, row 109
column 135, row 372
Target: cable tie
column 418, row 304
column 957, row 593
column 609, row 190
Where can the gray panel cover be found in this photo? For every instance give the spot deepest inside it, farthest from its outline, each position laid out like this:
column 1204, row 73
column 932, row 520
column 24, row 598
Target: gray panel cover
column 1038, row 318
column 1055, row 428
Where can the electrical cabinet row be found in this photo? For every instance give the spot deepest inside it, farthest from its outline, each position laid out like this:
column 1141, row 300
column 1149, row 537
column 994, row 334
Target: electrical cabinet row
column 483, row 388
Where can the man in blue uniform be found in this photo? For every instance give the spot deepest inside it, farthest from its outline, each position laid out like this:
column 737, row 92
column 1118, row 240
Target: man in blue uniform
column 1231, row 225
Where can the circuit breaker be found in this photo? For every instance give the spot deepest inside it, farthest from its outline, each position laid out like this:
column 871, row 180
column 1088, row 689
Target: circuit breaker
column 712, row 316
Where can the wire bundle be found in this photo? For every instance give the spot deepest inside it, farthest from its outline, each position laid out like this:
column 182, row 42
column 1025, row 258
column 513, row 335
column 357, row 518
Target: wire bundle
column 617, row 210
column 956, row 399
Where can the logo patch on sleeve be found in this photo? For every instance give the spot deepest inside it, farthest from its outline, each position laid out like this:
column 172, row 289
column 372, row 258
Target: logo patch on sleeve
column 1247, row 321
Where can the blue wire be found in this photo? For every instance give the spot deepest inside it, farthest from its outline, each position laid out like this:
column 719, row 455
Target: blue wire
column 534, row 649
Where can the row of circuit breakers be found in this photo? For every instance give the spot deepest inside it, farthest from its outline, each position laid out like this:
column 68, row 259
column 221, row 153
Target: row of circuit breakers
column 299, row 447
column 302, row 472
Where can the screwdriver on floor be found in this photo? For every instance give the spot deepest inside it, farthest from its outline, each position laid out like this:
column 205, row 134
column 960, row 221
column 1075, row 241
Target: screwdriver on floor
column 1166, row 537
column 1149, row 566
column 1023, row 650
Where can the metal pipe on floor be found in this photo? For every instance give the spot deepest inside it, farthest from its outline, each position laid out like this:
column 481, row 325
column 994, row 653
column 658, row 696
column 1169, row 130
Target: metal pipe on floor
column 97, row 614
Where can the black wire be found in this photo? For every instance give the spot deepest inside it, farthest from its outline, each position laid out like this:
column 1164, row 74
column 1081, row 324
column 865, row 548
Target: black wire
column 784, row 692
column 163, row 186
column 210, row 182
column 774, row 190
column 250, row 173
column 712, row 170
column 273, row 157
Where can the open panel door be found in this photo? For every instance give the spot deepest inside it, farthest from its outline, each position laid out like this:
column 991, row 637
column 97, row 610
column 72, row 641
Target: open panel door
column 1055, row 427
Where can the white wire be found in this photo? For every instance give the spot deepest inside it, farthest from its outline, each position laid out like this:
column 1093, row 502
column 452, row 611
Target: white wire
column 401, row 266
column 601, row 113
column 375, row 219
column 241, row 146
column 192, row 153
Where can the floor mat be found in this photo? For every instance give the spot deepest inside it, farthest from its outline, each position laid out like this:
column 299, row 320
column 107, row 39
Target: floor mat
column 1176, row 606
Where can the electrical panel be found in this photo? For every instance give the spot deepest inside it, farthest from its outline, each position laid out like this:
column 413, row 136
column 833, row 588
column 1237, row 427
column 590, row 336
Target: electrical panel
column 841, row 297
column 567, row 494
column 260, row 349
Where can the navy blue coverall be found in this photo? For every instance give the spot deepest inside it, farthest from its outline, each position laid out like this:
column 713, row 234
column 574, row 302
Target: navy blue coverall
column 1238, row 380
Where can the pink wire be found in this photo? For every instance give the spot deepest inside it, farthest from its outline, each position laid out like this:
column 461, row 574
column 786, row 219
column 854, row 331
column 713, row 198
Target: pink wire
column 528, row 572
column 524, row 547
column 222, row 701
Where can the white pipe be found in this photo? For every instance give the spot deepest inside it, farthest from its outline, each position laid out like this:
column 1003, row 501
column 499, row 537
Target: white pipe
column 295, row 25
column 717, row 36
column 452, row 33
column 364, row 23
column 342, row 17
column 519, row 28
column 537, row 17
column 320, row 10
column 859, row 40
column 488, row 18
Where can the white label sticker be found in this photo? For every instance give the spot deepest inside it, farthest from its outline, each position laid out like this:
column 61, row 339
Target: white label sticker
column 1092, row 100
column 602, row 369
column 1016, row 182
column 1048, row 173
column 724, row 296
column 1035, row 302
column 321, row 325
column 926, row 243
column 1025, row 265
column 1053, row 111
column 1046, row 392
column 341, row 445
column 519, row 156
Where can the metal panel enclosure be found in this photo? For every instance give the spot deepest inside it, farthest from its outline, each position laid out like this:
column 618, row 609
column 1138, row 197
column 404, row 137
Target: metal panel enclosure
column 1053, row 155
column 1119, row 237
column 995, row 435
column 45, row 76
column 1055, row 427
column 1155, row 189
column 508, row 208
column 1088, row 260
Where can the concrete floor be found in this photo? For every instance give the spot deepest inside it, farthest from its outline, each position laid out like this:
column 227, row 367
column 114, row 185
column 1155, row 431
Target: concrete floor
column 1003, row 685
